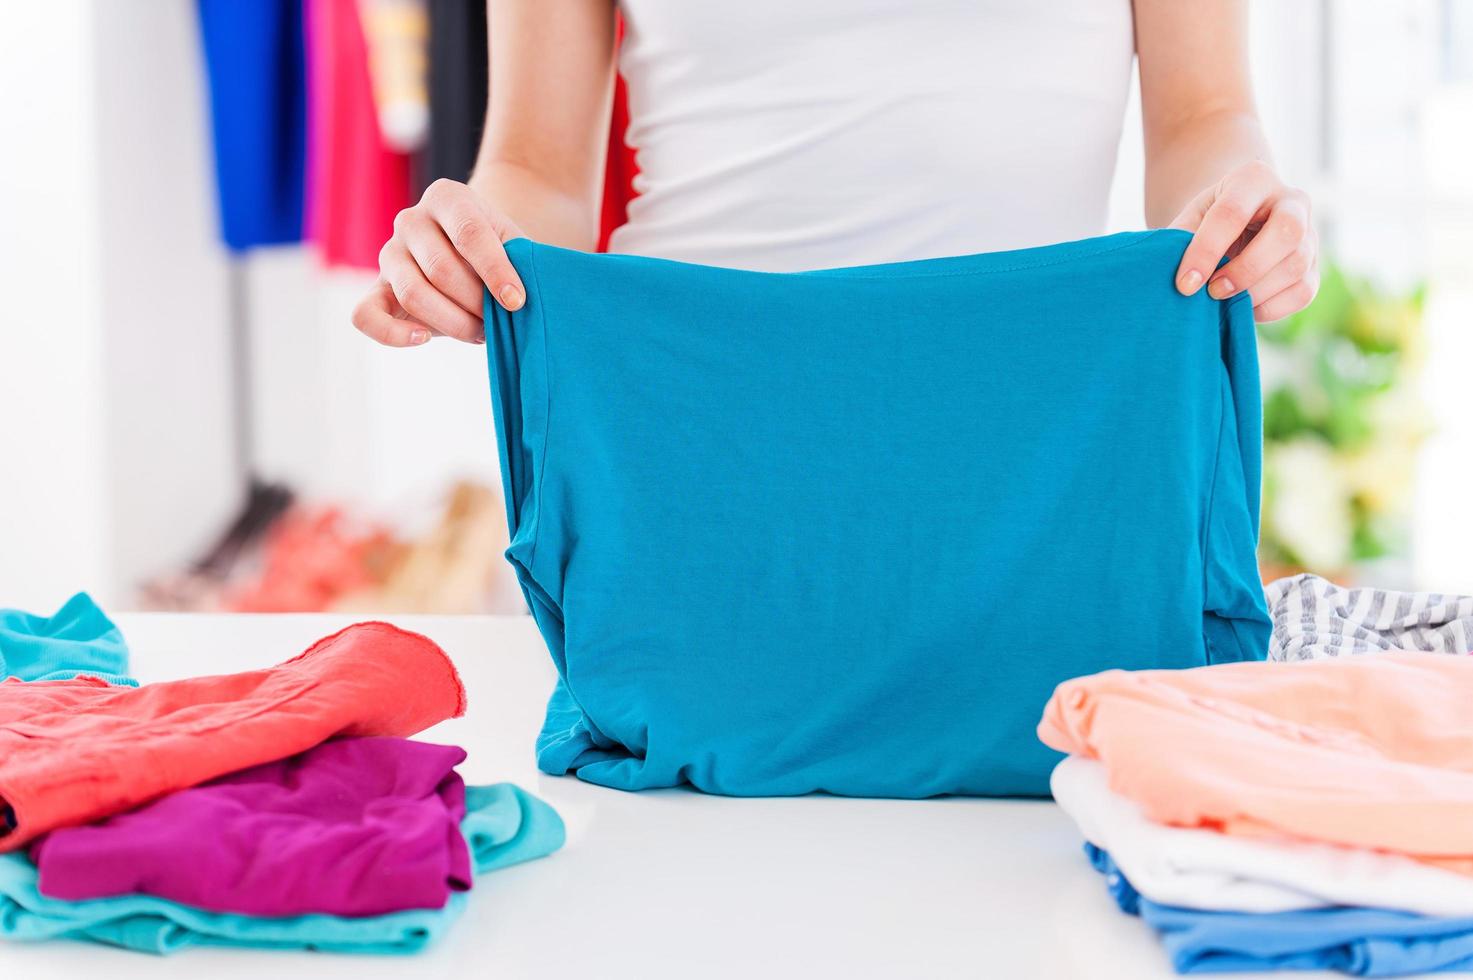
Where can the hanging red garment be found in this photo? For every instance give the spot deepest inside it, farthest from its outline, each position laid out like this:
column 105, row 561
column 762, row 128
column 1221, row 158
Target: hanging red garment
column 621, row 168
column 355, row 183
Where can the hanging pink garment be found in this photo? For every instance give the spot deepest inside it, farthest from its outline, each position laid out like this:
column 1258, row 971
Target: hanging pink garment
column 355, row 183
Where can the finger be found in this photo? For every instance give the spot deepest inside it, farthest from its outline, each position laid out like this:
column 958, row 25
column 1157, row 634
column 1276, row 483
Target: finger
column 1237, row 204
column 422, row 301
column 439, row 261
column 1289, row 270
column 1292, row 299
column 1191, row 215
column 374, row 318
column 477, row 235
column 1188, row 278
column 1282, row 234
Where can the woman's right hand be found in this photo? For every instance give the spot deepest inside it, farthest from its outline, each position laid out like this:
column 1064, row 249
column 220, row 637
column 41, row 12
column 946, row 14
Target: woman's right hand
column 432, row 271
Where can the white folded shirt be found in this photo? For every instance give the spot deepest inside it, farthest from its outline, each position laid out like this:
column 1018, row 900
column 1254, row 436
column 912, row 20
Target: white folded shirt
column 1204, row 869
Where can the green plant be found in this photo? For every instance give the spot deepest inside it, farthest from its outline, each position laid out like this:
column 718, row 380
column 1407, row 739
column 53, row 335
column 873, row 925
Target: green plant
column 1341, row 425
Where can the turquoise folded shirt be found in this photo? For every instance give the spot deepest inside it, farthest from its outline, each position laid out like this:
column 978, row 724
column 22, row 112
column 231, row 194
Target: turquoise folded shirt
column 504, row 825
column 78, row 639
column 845, row 531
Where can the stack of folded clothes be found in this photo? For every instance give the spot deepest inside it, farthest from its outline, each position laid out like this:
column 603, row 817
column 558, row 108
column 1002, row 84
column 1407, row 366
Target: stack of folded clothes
column 1311, row 815
column 283, row 807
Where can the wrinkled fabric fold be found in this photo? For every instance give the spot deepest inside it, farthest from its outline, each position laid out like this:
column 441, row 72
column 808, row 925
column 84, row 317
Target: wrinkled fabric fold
column 357, row 826
column 1314, row 618
column 504, row 825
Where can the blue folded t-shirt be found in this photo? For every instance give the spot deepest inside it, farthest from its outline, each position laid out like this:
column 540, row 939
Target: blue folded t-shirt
column 1362, row 942
column 845, row 531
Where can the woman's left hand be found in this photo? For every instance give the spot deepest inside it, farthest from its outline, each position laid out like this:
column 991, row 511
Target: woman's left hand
column 1263, row 227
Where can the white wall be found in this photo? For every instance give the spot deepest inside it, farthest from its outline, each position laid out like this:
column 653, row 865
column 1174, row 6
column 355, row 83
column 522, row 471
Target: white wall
column 1443, row 532
column 52, row 525
column 115, row 387
column 341, row 417
column 116, row 394
column 170, row 454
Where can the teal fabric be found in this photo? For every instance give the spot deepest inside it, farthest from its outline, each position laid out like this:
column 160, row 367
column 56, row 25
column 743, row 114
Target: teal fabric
column 78, row 639
column 504, row 825
column 846, row 530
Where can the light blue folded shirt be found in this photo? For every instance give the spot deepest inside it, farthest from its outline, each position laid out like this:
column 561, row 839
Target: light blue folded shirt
column 1362, row 942
column 504, row 825
column 78, row 639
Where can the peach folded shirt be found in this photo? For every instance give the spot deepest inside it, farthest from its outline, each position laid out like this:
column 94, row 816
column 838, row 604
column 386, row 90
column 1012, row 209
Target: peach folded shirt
column 80, row 750
column 1372, row 751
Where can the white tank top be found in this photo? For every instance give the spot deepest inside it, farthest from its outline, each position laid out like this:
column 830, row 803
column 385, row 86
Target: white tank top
column 799, row 134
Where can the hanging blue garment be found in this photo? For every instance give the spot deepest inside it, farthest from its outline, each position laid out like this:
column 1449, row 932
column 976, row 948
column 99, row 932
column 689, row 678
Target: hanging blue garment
column 504, row 825
column 254, row 56
column 78, row 639
column 845, row 531
column 1359, row 941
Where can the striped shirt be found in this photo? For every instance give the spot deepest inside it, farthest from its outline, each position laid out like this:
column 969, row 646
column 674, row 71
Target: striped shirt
column 1314, row 618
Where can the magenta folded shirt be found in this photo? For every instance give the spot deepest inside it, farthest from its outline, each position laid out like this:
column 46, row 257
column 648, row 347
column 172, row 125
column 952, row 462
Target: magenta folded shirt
column 356, row 826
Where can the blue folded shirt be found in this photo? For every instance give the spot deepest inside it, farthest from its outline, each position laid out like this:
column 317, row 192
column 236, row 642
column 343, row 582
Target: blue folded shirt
column 1359, row 941
column 504, row 825
column 78, row 639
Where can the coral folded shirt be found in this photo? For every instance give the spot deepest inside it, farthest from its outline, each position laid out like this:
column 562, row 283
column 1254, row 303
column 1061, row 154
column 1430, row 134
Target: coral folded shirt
column 76, row 751
column 1375, row 751
column 357, row 826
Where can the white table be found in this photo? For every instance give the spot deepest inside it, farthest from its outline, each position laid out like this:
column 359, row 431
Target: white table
column 674, row 883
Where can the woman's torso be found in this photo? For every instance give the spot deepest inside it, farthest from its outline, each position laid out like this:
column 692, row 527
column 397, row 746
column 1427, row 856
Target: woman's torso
column 801, row 134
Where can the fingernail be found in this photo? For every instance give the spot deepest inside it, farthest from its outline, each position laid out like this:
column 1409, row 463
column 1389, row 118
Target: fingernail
column 418, row 337
column 1220, row 288
column 1189, row 282
column 511, row 297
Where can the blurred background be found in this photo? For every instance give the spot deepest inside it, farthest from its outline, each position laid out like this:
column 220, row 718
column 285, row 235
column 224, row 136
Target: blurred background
column 192, row 198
